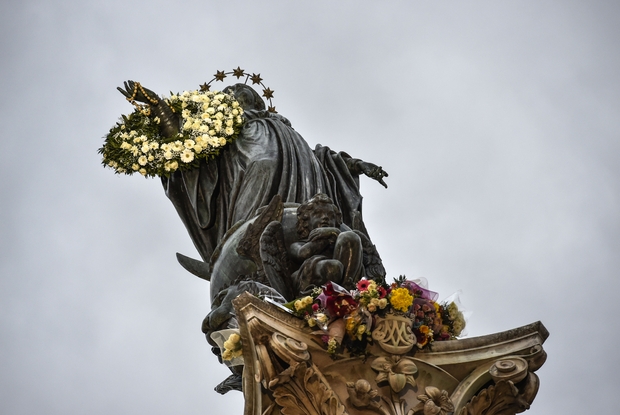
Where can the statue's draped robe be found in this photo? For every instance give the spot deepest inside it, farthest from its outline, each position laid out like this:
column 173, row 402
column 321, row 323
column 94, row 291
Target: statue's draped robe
column 269, row 157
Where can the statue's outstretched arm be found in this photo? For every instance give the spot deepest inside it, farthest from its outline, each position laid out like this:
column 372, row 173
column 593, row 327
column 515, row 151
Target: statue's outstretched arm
column 357, row 166
column 168, row 121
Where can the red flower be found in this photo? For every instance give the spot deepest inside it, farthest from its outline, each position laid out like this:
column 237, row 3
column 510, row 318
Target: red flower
column 362, row 285
column 336, row 300
column 382, row 292
column 341, row 305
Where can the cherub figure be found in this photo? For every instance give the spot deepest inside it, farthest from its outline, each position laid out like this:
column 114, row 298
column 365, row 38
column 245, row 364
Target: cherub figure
column 327, row 250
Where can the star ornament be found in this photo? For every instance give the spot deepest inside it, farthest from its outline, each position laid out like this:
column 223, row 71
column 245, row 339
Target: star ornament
column 272, row 109
column 256, row 79
column 238, row 72
column 268, row 93
column 205, row 87
column 220, row 75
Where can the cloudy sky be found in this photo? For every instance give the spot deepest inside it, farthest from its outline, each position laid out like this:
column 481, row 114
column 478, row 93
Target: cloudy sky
column 497, row 122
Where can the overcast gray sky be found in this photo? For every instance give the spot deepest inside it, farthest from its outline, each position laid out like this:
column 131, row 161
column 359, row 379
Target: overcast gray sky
column 497, row 121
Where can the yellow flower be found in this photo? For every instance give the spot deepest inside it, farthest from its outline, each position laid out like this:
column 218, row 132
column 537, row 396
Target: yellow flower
column 428, row 336
column 361, row 329
column 401, row 299
column 235, row 338
column 453, row 310
column 351, row 326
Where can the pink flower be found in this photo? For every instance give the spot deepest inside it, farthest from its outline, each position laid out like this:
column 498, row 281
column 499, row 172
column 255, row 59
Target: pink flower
column 362, row 285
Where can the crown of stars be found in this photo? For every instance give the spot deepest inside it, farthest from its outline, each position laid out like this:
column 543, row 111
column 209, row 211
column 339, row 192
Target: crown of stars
column 240, row 73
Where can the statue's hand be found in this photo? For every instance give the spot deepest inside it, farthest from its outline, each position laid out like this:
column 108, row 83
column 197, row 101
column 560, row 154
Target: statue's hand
column 327, row 234
column 135, row 92
column 373, row 171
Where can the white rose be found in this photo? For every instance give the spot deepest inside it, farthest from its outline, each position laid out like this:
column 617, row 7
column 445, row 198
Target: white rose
column 142, row 161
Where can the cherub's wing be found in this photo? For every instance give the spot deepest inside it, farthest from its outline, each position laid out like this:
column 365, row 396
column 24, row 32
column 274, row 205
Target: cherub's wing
column 249, row 245
column 274, row 255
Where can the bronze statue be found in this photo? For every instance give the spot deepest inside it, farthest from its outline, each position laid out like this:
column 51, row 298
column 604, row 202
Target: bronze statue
column 268, row 158
column 241, row 211
column 326, row 253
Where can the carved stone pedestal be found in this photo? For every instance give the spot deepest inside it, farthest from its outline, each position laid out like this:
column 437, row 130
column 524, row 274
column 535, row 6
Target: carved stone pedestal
column 288, row 371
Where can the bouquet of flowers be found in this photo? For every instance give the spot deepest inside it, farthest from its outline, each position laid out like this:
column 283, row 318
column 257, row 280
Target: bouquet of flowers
column 347, row 318
column 209, row 121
